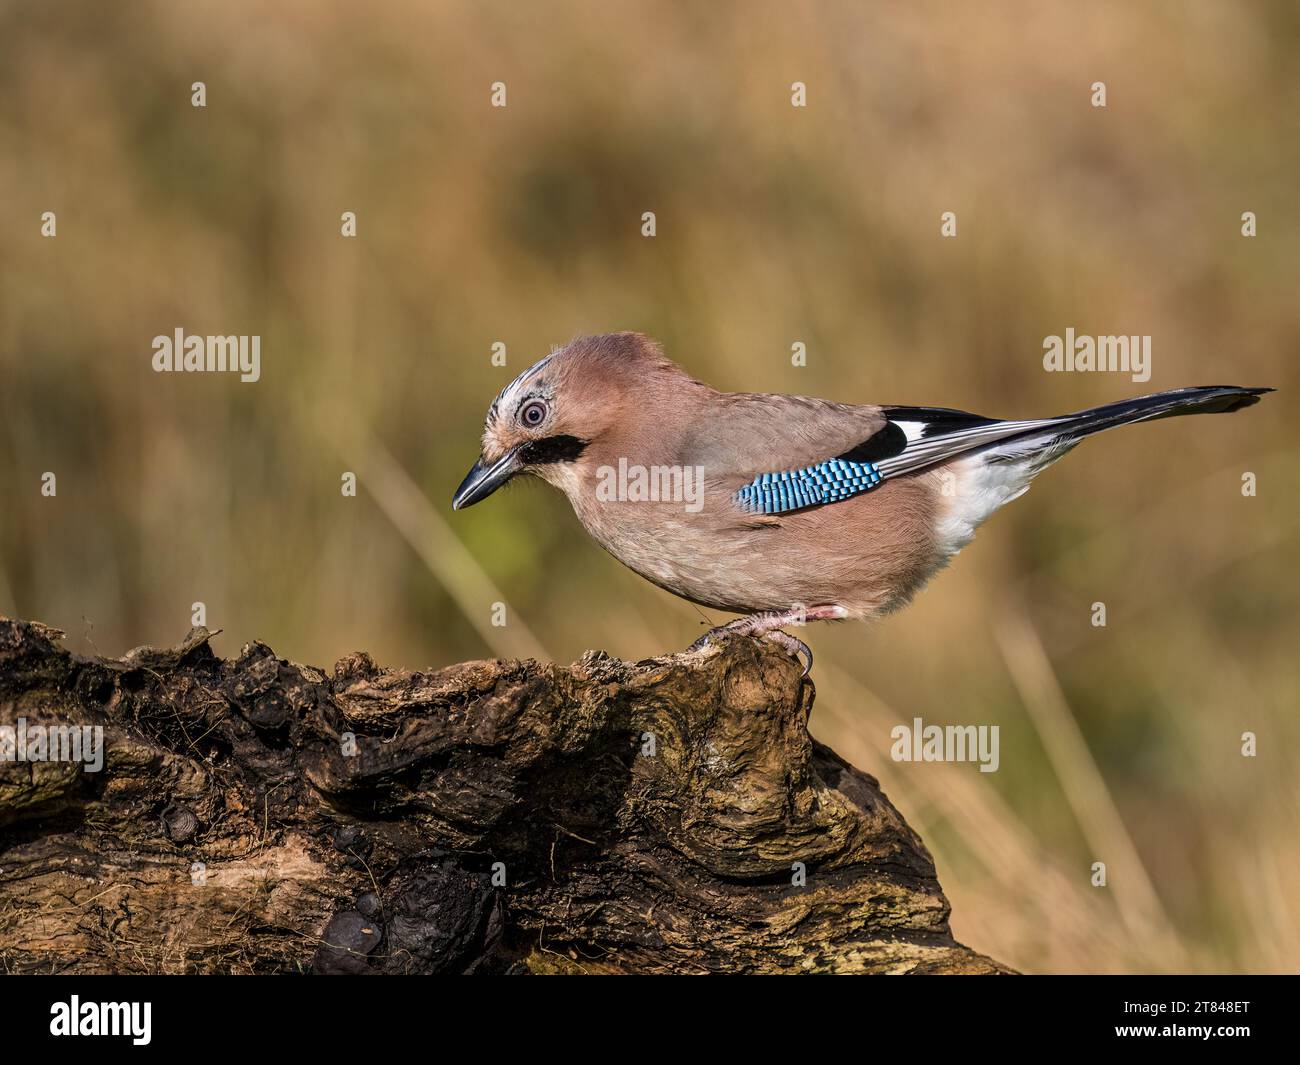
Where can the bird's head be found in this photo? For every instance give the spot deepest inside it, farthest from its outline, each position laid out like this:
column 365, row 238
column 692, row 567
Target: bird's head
column 554, row 413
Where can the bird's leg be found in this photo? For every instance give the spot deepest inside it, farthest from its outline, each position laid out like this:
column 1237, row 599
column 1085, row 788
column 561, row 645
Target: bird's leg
column 767, row 625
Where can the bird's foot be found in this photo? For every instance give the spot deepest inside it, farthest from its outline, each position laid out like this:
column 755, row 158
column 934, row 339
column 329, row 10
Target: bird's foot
column 793, row 646
column 767, row 626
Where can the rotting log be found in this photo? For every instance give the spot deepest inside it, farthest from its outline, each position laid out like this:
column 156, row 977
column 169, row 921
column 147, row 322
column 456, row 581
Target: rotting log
column 254, row 815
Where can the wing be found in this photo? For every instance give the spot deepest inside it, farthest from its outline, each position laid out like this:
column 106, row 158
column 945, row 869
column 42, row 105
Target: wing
column 912, row 439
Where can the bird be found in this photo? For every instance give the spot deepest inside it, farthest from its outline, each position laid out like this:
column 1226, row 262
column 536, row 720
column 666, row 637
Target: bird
column 784, row 509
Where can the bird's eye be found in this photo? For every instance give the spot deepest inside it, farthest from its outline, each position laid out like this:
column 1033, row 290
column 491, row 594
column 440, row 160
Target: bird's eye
column 533, row 413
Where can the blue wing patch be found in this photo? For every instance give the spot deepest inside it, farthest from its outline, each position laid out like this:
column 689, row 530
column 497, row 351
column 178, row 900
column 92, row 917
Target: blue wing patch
column 827, row 482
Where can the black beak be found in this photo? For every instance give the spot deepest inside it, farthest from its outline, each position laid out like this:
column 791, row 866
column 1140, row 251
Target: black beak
column 482, row 481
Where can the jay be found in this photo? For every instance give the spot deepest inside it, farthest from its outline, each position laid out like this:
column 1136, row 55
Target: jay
column 785, row 509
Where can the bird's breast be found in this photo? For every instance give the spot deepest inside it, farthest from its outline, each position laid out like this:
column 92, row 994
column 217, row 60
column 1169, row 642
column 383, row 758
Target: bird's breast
column 865, row 553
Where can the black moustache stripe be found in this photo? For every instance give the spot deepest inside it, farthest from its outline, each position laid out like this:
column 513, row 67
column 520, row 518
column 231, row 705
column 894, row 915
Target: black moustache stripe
column 553, row 449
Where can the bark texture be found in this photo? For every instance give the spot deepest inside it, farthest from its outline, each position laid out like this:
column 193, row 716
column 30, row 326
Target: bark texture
column 255, row 815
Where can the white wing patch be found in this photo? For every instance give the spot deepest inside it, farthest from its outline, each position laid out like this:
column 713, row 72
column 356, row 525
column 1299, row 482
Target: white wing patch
column 912, row 430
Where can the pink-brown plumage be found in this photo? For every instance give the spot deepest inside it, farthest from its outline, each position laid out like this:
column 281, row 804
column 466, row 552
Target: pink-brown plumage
column 617, row 399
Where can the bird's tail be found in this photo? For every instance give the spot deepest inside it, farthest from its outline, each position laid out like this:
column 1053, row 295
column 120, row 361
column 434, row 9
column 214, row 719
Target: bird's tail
column 1049, row 442
column 994, row 472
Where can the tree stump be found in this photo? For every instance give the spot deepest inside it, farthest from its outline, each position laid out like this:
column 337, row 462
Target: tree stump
column 255, row 816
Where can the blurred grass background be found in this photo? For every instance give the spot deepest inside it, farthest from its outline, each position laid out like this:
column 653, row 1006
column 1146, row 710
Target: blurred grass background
column 775, row 224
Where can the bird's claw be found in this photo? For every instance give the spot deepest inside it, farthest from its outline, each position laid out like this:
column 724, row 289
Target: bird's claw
column 795, row 648
column 701, row 643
